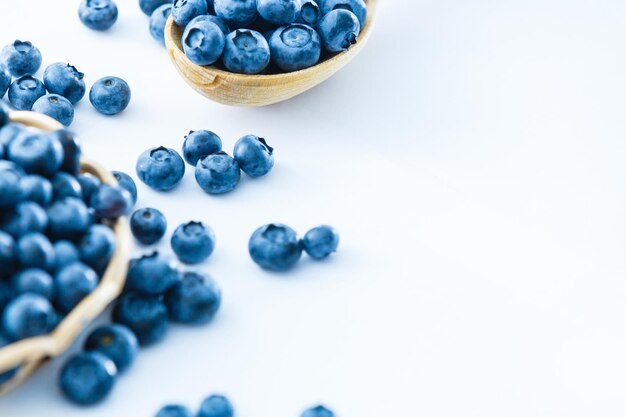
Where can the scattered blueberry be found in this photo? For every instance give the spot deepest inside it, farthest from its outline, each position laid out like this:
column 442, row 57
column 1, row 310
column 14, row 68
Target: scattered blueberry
column 37, row 189
column 87, row 378
column 97, row 247
column 174, row 411
column 254, row 156
column 73, row 283
column 184, row 11
column 21, row 58
column 218, row 173
column 34, row 281
column 237, row 13
column 116, row 342
column 126, row 182
column 68, row 218
column 148, row 225
column 279, row 12
column 55, row 106
column 194, row 300
column 200, row 144
column 36, row 153
column 158, row 19
column 318, row 411
column 216, row 406
column 24, row 91
column 110, row 95
column 203, row 41
column 193, row 242
column 160, row 168
column 34, row 250
column 28, row 315
column 149, row 6
column 98, row 14
column 358, row 7
column 338, row 30
column 246, row 52
column 65, row 185
column 111, row 202
column 320, row 242
column 144, row 314
column 275, row 246
column 151, row 274
column 65, row 80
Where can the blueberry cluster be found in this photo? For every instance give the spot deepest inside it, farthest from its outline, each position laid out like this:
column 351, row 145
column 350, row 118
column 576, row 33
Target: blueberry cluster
column 61, row 87
column 246, row 36
column 277, row 247
column 216, row 172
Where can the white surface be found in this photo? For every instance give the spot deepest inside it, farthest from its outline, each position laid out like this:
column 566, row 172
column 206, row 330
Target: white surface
column 472, row 158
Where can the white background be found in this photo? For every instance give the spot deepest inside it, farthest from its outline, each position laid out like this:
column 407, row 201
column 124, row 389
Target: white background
column 473, row 158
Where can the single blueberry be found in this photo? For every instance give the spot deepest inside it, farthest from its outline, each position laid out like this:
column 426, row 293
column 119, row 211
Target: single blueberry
column 87, row 378
column 184, row 11
column 200, row 144
column 37, row 189
column 279, row 12
column 11, row 191
column 310, row 13
column 194, row 300
column 26, row 217
column 28, row 315
column 24, row 91
column 72, row 284
column 358, row 7
column 88, row 183
column 238, row 13
column 174, row 410
column 216, row 406
column 37, row 153
column 320, row 242
column 203, row 41
column 218, row 173
column 152, row 274
column 55, row 106
column 65, row 253
column 65, row 80
column 71, row 150
column 8, row 256
column 110, row 95
column 254, row 156
column 34, row 250
column 68, row 218
column 160, row 168
column 126, row 182
column 21, row 58
column 318, row 411
column 97, row 247
column 98, row 14
column 111, row 201
column 295, row 47
column 149, row 6
column 5, row 80
column 65, row 185
column 144, row 314
column 34, row 281
column 115, row 341
column 158, row 20
column 9, row 132
column 193, row 242
column 246, row 52
column 148, row 225
column 338, row 30
column 275, row 246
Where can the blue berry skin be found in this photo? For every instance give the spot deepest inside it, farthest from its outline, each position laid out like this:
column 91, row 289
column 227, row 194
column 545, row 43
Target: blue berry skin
column 37, row 189
column 28, row 315
column 68, row 218
column 65, row 253
column 149, row 6
column 195, row 300
column 4, row 120
column 88, row 184
column 97, row 247
column 310, row 13
column 148, row 225
column 295, row 47
column 110, row 95
column 27, row 217
column 116, row 342
column 34, row 281
column 55, row 106
column 160, row 168
column 152, row 275
column 218, row 173
column 279, row 12
column 10, row 189
column 158, row 19
column 37, row 153
column 21, row 58
column 184, row 11
column 203, row 41
column 193, row 242
column 320, row 242
column 126, row 182
column 237, row 13
column 71, row 150
column 65, row 185
column 246, row 52
column 338, row 30
column 7, row 293
column 8, row 256
column 111, row 202
column 34, row 250
column 200, row 144
column 221, row 23
column 216, row 406
column 65, row 80
column 9, row 132
column 5, row 80
column 319, row 411
column 254, row 156
column 87, row 378
column 358, row 7
column 98, row 14
column 24, row 91
column 174, row 411
column 275, row 247
column 144, row 314
column 72, row 284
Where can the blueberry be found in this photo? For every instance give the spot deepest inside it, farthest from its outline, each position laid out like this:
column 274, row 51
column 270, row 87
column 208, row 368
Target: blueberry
column 5, row 80
column 174, row 410
column 65, row 253
column 160, row 168
column 34, row 281
column 148, row 225
column 28, row 315
column 9, row 132
column 144, row 314
column 218, row 173
column 200, row 144
column 149, row 6
column 34, row 250
column 126, row 182
column 65, row 185
column 55, row 106
column 275, row 247
column 216, row 406
column 320, row 242
column 338, row 30
column 193, row 242
column 8, row 256
column 88, row 183
column 111, row 202
column 97, row 247
column 295, row 47
column 27, row 217
column 221, row 23
column 158, row 19
column 11, row 191
column 184, row 11
column 68, row 218
column 279, row 12
column 71, row 150
column 7, row 293
column 110, row 95
column 37, row 153
column 237, row 13
column 98, row 14
column 254, row 156
column 65, row 80
column 37, row 189
column 21, row 58
column 319, row 411
column 358, row 7
column 203, row 41
column 152, row 275
column 115, row 341
column 194, row 300
column 87, row 378
column 24, row 91
column 72, row 284
column 246, row 52
column 310, row 13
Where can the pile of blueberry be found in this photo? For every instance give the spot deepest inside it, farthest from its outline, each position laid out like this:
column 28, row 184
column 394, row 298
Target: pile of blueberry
column 65, row 85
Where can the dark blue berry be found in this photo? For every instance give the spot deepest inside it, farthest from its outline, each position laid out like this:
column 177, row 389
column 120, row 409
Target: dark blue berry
column 87, row 378
column 160, row 168
column 194, row 300
column 71, row 150
column 35, row 281
column 97, row 247
column 37, row 153
column 193, row 242
column 237, row 13
column 218, row 173
column 24, row 91
column 110, row 95
column 21, row 58
column 27, row 217
column 310, row 13
column 275, row 246
column 11, row 191
column 149, row 6
column 98, row 14
column 158, row 20
column 68, row 218
column 37, row 189
column 246, row 52
column 126, row 182
column 65, row 80
column 28, row 315
column 203, row 41
column 338, row 30
column 148, row 225
column 254, row 156
column 321, row 242
column 295, row 47
column 88, row 183
column 279, row 12
column 144, row 314
column 34, row 250
column 200, row 144
column 111, row 202
column 358, row 7
column 72, row 284
column 152, row 274
column 66, row 253
column 55, row 106
column 185, row 10
column 115, row 341
column 216, row 406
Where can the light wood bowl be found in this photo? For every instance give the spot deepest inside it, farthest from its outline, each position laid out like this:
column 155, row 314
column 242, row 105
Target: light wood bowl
column 29, row 354
column 258, row 90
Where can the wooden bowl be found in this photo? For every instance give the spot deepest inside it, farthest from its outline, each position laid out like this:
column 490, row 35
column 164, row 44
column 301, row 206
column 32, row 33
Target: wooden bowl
column 258, row 90
column 27, row 355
